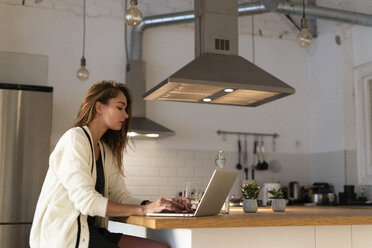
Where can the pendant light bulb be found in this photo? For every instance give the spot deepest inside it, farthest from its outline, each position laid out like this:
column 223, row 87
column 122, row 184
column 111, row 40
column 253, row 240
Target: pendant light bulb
column 304, row 38
column 82, row 74
column 133, row 16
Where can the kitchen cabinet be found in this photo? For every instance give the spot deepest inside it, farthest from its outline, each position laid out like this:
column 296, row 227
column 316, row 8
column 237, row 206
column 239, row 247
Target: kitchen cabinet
column 361, row 237
column 333, row 236
column 305, row 227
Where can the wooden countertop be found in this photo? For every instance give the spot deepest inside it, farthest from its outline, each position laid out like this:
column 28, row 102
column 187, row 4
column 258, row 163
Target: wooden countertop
column 293, row 216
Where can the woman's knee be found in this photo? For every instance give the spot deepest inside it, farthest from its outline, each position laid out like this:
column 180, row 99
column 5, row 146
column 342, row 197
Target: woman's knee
column 128, row 241
column 162, row 245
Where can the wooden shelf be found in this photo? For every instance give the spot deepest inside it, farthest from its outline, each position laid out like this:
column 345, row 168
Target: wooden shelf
column 293, row 216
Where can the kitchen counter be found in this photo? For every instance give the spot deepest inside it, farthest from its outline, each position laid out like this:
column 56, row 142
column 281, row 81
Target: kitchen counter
column 298, row 226
column 293, row 216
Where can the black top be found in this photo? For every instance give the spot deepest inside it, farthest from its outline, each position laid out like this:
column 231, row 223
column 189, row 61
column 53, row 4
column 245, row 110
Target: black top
column 100, row 184
column 100, row 237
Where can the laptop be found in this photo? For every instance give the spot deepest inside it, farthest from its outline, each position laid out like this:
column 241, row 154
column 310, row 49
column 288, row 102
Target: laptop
column 213, row 198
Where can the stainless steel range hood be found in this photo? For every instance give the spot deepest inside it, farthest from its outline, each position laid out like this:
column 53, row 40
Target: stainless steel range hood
column 142, row 127
column 218, row 75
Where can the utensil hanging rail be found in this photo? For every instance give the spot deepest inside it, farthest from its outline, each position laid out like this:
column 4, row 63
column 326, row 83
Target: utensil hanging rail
column 274, row 135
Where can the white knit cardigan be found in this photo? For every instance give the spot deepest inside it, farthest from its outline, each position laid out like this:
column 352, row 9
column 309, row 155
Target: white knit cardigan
column 68, row 194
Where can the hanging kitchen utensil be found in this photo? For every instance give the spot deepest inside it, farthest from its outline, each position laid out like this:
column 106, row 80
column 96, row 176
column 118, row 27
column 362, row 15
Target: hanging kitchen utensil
column 264, row 164
column 257, row 152
column 274, row 165
column 245, row 158
column 254, row 159
column 273, row 146
column 239, row 165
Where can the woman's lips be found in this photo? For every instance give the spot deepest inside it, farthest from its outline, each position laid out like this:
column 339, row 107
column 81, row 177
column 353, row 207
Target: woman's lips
column 122, row 122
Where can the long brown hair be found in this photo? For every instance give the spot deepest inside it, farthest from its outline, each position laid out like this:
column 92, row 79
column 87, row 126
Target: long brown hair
column 102, row 91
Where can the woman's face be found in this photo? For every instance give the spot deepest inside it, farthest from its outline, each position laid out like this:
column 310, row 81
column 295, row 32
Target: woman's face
column 113, row 114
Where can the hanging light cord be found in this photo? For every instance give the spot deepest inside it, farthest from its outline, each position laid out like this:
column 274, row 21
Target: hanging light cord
column 253, row 47
column 84, row 29
column 303, row 8
column 126, row 37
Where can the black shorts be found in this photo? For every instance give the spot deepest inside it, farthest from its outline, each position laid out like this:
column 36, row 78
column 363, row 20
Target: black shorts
column 102, row 238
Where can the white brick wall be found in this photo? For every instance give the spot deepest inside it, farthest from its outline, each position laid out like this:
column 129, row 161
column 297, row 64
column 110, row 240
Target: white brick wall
column 151, row 173
column 154, row 173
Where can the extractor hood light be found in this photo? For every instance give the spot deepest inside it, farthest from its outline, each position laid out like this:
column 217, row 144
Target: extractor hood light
column 207, row 100
column 152, row 135
column 228, row 90
column 132, row 134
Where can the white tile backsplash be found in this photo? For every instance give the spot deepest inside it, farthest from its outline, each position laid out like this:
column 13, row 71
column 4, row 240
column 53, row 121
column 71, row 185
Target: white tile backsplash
column 151, row 173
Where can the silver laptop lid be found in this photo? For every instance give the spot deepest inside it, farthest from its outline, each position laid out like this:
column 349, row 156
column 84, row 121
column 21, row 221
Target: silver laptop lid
column 217, row 190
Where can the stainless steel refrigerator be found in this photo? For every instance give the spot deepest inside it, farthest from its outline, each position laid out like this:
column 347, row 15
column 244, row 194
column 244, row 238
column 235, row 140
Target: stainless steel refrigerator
column 25, row 129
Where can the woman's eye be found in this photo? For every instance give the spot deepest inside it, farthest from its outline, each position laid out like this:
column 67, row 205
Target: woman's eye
column 120, row 108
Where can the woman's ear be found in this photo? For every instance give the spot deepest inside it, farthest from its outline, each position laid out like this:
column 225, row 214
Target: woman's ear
column 99, row 107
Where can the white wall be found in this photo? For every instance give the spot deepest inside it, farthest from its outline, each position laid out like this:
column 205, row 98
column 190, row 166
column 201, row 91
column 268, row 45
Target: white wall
column 58, row 35
column 326, row 95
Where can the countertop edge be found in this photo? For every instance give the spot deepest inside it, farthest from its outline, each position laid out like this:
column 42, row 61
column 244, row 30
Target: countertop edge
column 296, row 216
column 159, row 223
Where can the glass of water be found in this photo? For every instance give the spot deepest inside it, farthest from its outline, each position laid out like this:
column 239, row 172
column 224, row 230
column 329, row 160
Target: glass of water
column 193, row 193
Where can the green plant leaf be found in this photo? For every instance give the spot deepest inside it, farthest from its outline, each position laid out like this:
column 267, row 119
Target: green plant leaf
column 250, row 191
column 276, row 194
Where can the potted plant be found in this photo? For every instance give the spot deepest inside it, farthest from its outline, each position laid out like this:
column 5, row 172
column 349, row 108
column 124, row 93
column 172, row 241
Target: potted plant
column 277, row 200
column 250, row 193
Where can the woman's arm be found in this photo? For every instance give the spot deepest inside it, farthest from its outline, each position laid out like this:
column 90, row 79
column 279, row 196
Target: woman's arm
column 169, row 204
column 118, row 209
column 71, row 162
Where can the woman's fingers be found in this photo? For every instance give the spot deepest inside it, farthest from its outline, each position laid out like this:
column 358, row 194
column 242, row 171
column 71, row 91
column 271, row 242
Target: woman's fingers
column 185, row 202
column 173, row 205
column 163, row 204
column 177, row 204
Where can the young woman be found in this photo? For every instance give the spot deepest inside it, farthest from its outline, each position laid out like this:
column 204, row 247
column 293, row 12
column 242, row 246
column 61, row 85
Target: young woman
column 84, row 184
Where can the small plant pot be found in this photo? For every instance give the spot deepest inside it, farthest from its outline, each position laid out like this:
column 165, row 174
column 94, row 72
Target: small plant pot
column 278, row 205
column 250, row 205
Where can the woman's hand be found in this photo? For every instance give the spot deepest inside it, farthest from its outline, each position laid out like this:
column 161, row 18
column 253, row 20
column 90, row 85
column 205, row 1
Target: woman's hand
column 177, row 204
column 185, row 202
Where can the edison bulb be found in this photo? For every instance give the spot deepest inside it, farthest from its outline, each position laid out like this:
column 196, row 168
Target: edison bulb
column 82, row 74
column 133, row 16
column 304, row 38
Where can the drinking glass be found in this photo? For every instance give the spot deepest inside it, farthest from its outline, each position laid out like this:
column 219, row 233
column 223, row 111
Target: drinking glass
column 193, row 193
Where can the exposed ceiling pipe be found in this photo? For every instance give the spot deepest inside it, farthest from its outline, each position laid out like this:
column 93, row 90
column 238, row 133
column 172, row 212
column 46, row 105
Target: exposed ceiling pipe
column 252, row 8
column 291, row 8
column 262, row 6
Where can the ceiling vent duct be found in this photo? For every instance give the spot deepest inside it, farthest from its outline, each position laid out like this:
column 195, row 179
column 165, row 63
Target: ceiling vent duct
column 218, row 75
